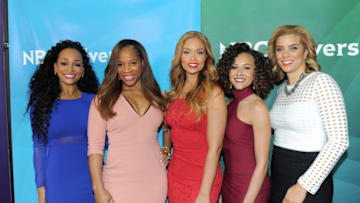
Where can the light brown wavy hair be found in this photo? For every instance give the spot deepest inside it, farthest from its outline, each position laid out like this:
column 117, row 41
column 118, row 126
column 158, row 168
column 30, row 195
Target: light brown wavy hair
column 208, row 76
column 111, row 87
column 306, row 41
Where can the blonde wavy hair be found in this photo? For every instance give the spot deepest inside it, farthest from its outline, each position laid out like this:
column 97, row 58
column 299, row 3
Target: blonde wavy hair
column 306, row 41
column 208, row 76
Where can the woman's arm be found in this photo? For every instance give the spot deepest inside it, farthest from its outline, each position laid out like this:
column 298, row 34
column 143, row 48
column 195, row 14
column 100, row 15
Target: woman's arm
column 216, row 122
column 96, row 141
column 39, row 160
column 165, row 152
column 260, row 121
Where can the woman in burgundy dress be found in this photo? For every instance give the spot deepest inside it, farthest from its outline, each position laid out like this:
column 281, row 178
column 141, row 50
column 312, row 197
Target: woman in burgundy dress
column 246, row 78
column 197, row 117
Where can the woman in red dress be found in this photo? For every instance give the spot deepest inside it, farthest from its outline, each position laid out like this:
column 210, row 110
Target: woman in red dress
column 196, row 116
column 246, row 77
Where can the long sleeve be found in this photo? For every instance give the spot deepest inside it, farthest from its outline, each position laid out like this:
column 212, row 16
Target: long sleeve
column 96, row 131
column 332, row 112
column 39, row 158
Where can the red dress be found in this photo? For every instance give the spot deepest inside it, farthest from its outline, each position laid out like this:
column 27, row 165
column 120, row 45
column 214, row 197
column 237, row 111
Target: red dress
column 190, row 148
column 239, row 156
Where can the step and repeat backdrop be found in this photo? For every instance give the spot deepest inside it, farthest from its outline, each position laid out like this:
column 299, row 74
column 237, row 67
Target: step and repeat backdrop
column 35, row 27
column 335, row 28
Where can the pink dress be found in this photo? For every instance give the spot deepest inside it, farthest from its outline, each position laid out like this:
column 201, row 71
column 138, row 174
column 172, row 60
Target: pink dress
column 132, row 170
column 187, row 164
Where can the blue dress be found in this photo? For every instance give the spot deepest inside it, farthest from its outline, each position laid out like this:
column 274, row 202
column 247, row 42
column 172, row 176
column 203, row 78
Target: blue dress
column 61, row 162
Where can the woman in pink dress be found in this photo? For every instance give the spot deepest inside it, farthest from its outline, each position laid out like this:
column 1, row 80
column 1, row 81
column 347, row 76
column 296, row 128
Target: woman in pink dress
column 197, row 117
column 246, row 78
column 128, row 109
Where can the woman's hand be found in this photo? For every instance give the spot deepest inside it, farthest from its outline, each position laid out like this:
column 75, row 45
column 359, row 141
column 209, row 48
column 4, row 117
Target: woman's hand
column 41, row 195
column 202, row 198
column 164, row 156
column 295, row 194
column 103, row 196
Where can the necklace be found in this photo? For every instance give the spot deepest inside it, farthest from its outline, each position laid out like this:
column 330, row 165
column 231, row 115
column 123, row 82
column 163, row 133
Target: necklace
column 289, row 92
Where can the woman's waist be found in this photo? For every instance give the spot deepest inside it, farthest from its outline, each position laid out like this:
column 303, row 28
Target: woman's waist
column 306, row 141
column 243, row 181
column 66, row 140
column 189, row 171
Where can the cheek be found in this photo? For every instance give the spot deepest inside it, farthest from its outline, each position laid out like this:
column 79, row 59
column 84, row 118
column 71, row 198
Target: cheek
column 138, row 70
column 203, row 59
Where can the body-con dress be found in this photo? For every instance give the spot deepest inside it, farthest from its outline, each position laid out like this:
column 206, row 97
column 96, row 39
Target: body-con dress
column 132, row 171
column 239, row 156
column 61, row 163
column 190, row 148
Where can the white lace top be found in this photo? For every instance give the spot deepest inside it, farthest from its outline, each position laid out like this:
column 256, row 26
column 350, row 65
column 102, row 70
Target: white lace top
column 312, row 119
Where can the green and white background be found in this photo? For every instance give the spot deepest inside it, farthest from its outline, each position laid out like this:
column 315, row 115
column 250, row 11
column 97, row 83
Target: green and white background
column 36, row 25
column 335, row 26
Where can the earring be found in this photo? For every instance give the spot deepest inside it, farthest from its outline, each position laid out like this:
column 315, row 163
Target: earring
column 54, row 73
column 82, row 76
column 230, row 86
column 254, row 87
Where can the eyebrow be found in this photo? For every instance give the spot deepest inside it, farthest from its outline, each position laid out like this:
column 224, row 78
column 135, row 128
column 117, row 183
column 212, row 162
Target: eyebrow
column 290, row 45
column 241, row 64
column 195, row 49
column 68, row 59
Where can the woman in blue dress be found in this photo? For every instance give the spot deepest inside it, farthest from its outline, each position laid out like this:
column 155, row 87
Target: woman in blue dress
column 61, row 91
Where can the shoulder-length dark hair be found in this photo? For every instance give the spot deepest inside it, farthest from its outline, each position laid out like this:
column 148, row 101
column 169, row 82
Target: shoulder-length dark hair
column 263, row 80
column 44, row 86
column 111, row 87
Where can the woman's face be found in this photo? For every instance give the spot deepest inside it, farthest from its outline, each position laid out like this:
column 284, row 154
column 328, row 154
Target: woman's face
column 129, row 67
column 69, row 67
column 242, row 72
column 290, row 54
column 193, row 56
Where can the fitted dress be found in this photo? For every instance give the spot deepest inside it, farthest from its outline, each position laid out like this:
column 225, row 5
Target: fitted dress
column 190, row 148
column 132, row 171
column 239, row 156
column 61, row 163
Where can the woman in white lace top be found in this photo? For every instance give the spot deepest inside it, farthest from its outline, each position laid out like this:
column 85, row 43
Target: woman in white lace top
column 308, row 118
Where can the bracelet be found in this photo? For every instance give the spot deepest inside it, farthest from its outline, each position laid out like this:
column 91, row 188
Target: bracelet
column 168, row 153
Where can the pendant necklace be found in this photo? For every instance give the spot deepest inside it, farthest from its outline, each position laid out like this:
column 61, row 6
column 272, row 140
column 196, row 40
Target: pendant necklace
column 289, row 92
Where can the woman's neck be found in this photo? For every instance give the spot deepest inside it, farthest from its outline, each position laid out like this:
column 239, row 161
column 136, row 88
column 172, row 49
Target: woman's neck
column 190, row 82
column 70, row 92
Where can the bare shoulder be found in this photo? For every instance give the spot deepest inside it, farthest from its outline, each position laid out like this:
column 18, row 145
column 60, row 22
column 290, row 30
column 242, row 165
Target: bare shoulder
column 216, row 98
column 216, row 92
column 257, row 106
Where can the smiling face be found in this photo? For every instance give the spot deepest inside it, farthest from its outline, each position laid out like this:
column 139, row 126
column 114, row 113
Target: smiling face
column 242, row 72
column 290, row 54
column 193, row 56
column 69, row 67
column 129, row 67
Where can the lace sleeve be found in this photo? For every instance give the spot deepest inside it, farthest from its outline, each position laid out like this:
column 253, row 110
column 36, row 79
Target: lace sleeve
column 332, row 112
column 39, row 158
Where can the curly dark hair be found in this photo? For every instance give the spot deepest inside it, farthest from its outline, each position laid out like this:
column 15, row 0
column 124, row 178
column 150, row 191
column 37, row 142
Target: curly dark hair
column 263, row 79
column 44, row 86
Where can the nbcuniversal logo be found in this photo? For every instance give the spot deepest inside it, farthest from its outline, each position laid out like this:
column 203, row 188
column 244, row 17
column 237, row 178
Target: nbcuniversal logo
column 338, row 49
column 34, row 57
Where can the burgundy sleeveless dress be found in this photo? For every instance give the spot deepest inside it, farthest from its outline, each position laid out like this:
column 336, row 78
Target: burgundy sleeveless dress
column 239, row 156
